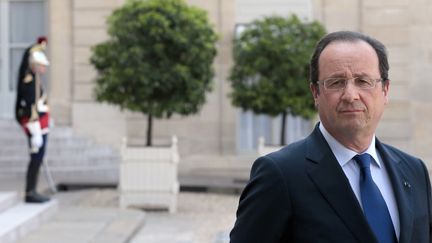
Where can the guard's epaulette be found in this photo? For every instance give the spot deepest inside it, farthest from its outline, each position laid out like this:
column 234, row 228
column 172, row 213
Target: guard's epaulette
column 36, row 47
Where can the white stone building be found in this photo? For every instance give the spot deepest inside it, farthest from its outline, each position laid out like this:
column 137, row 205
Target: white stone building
column 73, row 26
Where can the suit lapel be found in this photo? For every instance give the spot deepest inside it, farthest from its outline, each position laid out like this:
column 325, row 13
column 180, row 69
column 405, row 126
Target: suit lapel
column 402, row 190
column 329, row 178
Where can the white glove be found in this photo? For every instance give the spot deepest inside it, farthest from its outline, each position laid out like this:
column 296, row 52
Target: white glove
column 41, row 106
column 35, row 130
column 36, row 142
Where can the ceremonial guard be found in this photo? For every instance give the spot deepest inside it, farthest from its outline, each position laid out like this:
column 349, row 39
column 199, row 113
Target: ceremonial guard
column 32, row 113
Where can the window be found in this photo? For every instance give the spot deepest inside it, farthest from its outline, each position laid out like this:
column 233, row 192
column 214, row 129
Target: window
column 26, row 23
column 250, row 127
column 21, row 22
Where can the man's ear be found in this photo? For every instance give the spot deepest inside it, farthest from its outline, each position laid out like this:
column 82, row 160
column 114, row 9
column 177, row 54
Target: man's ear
column 386, row 87
column 315, row 92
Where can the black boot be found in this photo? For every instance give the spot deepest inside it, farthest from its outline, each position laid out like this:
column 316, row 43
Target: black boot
column 31, row 181
column 34, row 197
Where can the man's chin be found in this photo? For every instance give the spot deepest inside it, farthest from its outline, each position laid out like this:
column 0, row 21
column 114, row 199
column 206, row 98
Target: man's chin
column 353, row 126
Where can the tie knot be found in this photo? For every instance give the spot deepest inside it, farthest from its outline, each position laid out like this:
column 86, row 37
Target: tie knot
column 364, row 160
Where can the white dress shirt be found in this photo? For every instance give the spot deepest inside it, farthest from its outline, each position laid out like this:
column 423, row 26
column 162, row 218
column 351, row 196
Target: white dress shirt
column 352, row 171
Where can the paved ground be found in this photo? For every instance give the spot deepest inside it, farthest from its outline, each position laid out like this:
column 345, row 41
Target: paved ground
column 91, row 215
column 201, row 218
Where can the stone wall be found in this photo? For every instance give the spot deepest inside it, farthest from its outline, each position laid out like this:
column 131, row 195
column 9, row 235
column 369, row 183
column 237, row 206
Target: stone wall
column 404, row 26
column 75, row 26
column 420, row 56
column 249, row 10
column 60, row 48
column 104, row 123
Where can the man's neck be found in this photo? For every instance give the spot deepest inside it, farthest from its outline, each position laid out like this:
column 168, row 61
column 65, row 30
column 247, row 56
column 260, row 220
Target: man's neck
column 357, row 141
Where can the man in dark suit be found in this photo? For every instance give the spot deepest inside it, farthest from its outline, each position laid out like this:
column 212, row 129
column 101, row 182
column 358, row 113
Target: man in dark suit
column 340, row 184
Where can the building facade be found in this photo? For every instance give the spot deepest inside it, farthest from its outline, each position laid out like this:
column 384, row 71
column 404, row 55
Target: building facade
column 74, row 26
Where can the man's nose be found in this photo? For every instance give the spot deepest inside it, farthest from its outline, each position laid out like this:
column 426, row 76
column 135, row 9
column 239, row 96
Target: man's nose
column 350, row 92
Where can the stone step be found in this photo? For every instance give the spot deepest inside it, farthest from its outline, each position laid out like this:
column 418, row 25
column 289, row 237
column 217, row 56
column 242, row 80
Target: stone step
column 65, row 158
column 89, row 224
column 10, row 125
column 8, row 154
column 7, row 159
column 20, row 141
column 14, row 128
column 7, row 199
column 66, row 153
column 88, row 154
column 63, row 164
column 58, row 150
column 19, row 220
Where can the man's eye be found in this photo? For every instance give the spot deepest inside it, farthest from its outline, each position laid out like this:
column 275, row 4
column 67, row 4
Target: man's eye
column 336, row 83
column 363, row 82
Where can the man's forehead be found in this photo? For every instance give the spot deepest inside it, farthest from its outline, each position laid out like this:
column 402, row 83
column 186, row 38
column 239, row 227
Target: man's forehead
column 358, row 43
column 348, row 58
column 348, row 49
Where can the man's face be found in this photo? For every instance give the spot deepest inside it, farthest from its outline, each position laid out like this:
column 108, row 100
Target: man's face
column 350, row 110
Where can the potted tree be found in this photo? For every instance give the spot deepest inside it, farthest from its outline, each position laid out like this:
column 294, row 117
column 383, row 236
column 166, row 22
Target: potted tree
column 157, row 61
column 271, row 57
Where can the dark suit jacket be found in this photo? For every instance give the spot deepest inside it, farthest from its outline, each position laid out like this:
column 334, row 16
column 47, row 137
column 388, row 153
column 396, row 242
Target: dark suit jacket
column 301, row 194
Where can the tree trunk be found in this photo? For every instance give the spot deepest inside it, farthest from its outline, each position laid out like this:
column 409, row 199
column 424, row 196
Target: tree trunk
column 149, row 130
column 282, row 137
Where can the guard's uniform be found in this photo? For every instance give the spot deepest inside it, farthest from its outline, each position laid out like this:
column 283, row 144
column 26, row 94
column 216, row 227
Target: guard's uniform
column 32, row 113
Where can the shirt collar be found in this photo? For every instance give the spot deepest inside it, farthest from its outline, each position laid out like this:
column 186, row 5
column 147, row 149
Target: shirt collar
column 344, row 154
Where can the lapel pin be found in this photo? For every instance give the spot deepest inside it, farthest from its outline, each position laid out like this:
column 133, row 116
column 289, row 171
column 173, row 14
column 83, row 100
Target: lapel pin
column 406, row 184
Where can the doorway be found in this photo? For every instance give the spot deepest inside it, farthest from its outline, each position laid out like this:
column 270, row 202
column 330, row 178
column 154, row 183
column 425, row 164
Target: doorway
column 21, row 22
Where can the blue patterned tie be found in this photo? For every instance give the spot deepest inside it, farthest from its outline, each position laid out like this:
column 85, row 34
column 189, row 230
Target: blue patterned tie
column 374, row 206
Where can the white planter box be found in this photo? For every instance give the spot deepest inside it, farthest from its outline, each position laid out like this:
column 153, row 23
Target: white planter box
column 266, row 149
column 148, row 177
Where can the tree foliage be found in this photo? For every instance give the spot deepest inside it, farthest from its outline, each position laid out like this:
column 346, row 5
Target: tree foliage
column 158, row 58
column 271, row 59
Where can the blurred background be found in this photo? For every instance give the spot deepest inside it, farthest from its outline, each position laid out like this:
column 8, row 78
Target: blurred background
column 218, row 144
column 74, row 26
